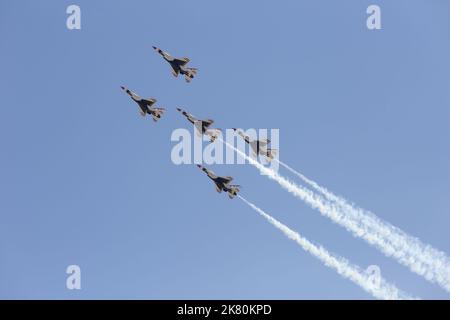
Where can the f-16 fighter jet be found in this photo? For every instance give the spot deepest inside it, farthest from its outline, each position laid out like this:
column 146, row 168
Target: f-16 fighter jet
column 259, row 146
column 178, row 65
column 146, row 105
column 202, row 126
column 222, row 183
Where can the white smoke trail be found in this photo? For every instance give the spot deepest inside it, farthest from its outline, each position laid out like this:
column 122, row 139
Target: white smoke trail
column 380, row 288
column 421, row 258
column 436, row 271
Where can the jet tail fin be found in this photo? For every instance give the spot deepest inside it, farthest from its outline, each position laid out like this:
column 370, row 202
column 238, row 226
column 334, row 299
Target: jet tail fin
column 233, row 191
column 190, row 74
column 271, row 153
column 157, row 113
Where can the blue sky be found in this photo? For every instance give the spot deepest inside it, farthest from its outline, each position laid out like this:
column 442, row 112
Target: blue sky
column 87, row 181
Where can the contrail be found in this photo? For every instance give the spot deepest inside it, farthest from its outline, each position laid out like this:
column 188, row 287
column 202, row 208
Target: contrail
column 380, row 289
column 422, row 259
column 433, row 265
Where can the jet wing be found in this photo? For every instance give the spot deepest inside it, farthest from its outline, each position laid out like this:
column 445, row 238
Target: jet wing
column 143, row 108
column 225, row 180
column 181, row 61
column 175, row 72
column 207, row 123
column 150, row 101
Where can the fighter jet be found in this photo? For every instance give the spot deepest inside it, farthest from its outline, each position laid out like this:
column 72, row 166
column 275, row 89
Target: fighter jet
column 202, row 126
column 222, row 183
column 178, row 65
column 258, row 146
column 146, row 105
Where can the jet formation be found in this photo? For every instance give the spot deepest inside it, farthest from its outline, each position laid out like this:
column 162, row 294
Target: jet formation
column 203, row 127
